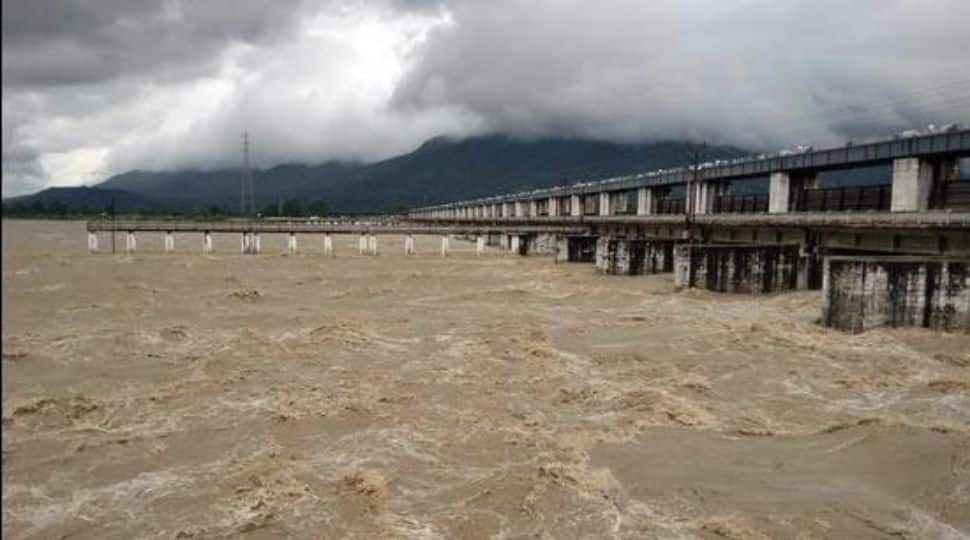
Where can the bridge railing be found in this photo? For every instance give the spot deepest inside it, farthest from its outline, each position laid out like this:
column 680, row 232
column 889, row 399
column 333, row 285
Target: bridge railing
column 843, row 198
column 740, row 204
column 954, row 195
column 672, row 205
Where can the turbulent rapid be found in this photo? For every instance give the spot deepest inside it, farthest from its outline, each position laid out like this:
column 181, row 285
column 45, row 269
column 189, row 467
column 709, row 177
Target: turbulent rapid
column 193, row 395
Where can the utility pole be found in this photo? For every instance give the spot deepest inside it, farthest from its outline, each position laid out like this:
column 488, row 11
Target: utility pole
column 695, row 155
column 112, row 209
column 247, row 203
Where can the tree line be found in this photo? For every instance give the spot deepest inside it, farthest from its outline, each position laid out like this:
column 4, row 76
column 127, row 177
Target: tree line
column 60, row 210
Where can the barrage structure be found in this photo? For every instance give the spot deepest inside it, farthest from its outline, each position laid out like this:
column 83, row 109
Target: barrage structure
column 896, row 253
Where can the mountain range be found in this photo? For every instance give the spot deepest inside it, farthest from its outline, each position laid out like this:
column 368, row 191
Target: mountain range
column 440, row 170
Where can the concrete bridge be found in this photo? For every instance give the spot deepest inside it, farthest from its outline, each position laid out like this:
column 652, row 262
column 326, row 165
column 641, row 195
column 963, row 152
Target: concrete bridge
column 896, row 254
column 368, row 231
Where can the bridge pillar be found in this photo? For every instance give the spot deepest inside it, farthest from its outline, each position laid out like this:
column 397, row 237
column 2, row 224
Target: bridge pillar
column 575, row 206
column 445, row 245
column 291, row 244
column 779, row 193
column 130, row 242
column 169, row 242
column 702, row 201
column 739, row 268
column 480, row 245
column 206, row 242
column 519, row 209
column 362, row 244
column 256, row 247
column 644, row 201
column 327, row 245
column 605, row 204
column 863, row 292
column 553, row 206
column 515, row 244
column 534, row 208
column 626, row 256
column 372, row 244
column 912, row 183
column 93, row 242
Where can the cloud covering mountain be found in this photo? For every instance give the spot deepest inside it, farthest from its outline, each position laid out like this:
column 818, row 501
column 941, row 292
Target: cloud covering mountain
column 96, row 88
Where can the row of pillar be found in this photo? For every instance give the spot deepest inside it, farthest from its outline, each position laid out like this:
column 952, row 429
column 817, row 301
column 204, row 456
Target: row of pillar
column 250, row 243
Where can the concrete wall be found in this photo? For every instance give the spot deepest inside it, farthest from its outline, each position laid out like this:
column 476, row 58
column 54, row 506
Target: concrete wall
column 863, row 292
column 739, row 268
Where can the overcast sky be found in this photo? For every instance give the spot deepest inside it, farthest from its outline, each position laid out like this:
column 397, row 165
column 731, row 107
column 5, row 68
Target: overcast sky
column 93, row 88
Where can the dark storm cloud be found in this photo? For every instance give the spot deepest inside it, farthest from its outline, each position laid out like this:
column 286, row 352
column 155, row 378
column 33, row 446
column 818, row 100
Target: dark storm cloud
column 92, row 88
column 72, row 42
column 749, row 72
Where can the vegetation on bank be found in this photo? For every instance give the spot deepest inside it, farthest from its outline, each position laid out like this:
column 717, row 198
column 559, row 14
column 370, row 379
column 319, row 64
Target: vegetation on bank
column 58, row 210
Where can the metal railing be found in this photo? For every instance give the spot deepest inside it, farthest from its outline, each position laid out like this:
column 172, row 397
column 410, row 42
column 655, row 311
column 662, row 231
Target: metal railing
column 740, row 204
column 672, row 205
column 953, row 194
column 843, row 198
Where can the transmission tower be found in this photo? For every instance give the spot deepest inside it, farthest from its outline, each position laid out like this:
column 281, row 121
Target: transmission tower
column 247, row 204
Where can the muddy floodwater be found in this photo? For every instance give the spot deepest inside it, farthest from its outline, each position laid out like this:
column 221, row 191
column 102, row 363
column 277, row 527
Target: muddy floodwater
column 188, row 395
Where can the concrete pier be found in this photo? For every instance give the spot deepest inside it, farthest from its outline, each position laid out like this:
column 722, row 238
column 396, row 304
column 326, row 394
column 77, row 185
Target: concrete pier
column 291, row 244
column 93, row 242
column 169, row 242
column 515, row 244
column 576, row 248
column 362, row 244
column 372, row 244
column 130, row 243
column 540, row 243
column 328, row 245
column 479, row 245
column 445, row 245
column 863, row 292
column 636, row 256
column 206, row 242
column 409, row 245
column 250, row 243
column 738, row 268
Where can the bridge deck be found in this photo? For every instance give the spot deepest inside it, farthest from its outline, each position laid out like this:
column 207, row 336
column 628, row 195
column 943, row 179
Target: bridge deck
column 331, row 228
column 853, row 219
